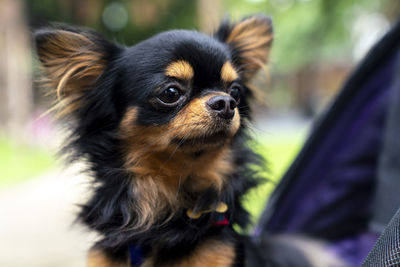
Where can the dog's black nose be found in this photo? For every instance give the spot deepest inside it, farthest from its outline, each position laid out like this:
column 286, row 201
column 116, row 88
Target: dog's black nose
column 223, row 105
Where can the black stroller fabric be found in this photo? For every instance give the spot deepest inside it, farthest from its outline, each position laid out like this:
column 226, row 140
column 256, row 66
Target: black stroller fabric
column 347, row 176
column 388, row 183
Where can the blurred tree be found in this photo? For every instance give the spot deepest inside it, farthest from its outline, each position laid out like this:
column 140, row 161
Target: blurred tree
column 311, row 34
column 309, row 31
column 145, row 18
column 209, row 14
column 15, row 63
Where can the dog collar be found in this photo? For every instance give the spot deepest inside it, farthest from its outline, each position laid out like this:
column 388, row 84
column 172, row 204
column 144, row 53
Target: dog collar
column 136, row 253
column 220, row 208
column 220, row 221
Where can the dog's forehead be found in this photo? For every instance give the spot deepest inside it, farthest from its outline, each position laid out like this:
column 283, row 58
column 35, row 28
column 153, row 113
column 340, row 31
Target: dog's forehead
column 204, row 56
column 184, row 54
column 192, row 45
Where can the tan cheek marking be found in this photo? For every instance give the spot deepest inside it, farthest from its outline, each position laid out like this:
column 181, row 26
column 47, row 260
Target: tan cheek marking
column 235, row 125
column 194, row 120
column 212, row 169
column 189, row 122
column 140, row 136
column 128, row 119
column 228, row 73
column 180, row 69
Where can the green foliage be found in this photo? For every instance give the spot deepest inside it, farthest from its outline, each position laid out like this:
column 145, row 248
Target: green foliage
column 307, row 31
column 279, row 150
column 170, row 15
column 19, row 162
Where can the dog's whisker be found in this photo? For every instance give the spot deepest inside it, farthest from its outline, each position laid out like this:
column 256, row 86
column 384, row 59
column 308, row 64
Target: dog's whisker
column 179, row 144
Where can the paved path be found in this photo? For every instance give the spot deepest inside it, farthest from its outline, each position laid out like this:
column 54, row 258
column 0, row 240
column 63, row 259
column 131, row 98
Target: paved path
column 36, row 222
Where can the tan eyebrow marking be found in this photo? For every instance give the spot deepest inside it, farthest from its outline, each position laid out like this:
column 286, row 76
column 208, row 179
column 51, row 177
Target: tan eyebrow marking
column 228, row 73
column 180, row 69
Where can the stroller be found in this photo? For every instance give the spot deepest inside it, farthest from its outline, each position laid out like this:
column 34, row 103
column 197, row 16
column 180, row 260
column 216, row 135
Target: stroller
column 344, row 186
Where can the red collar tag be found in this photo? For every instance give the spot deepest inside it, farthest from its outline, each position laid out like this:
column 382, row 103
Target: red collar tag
column 221, row 221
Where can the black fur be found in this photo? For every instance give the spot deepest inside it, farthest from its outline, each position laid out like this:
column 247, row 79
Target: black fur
column 129, row 79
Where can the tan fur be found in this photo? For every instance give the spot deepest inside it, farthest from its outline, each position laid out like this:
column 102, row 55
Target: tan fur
column 71, row 64
column 228, row 73
column 194, row 120
column 98, row 258
column 180, row 69
column 211, row 253
column 161, row 168
column 253, row 37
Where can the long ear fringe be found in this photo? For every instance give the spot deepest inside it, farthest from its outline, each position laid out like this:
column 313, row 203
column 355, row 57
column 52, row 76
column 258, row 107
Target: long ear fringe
column 72, row 59
column 250, row 41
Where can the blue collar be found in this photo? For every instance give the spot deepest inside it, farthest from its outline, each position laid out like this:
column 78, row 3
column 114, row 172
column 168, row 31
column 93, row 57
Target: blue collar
column 136, row 255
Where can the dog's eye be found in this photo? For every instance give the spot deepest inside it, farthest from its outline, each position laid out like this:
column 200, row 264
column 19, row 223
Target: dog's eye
column 170, row 95
column 235, row 93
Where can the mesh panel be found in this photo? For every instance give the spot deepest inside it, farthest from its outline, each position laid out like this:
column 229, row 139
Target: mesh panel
column 386, row 251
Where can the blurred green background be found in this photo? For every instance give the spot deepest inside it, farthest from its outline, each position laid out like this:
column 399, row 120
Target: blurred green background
column 317, row 44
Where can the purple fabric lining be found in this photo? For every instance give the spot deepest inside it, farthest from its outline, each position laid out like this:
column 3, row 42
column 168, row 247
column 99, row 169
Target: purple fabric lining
column 354, row 249
column 332, row 196
column 333, row 193
column 328, row 191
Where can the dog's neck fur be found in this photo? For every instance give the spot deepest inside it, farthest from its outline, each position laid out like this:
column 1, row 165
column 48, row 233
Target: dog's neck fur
column 168, row 181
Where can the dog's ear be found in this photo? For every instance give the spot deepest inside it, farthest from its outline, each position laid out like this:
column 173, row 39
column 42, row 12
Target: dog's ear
column 72, row 60
column 249, row 41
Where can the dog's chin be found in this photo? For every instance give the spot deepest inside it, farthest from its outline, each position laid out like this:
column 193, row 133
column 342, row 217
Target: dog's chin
column 204, row 142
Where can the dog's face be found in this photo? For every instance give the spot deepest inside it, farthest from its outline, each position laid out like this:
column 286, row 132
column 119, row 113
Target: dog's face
column 182, row 93
column 168, row 108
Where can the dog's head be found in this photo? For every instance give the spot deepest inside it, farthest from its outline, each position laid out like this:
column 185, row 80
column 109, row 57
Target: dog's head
column 170, row 106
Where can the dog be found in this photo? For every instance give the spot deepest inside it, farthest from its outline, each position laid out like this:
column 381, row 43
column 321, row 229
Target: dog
column 162, row 126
